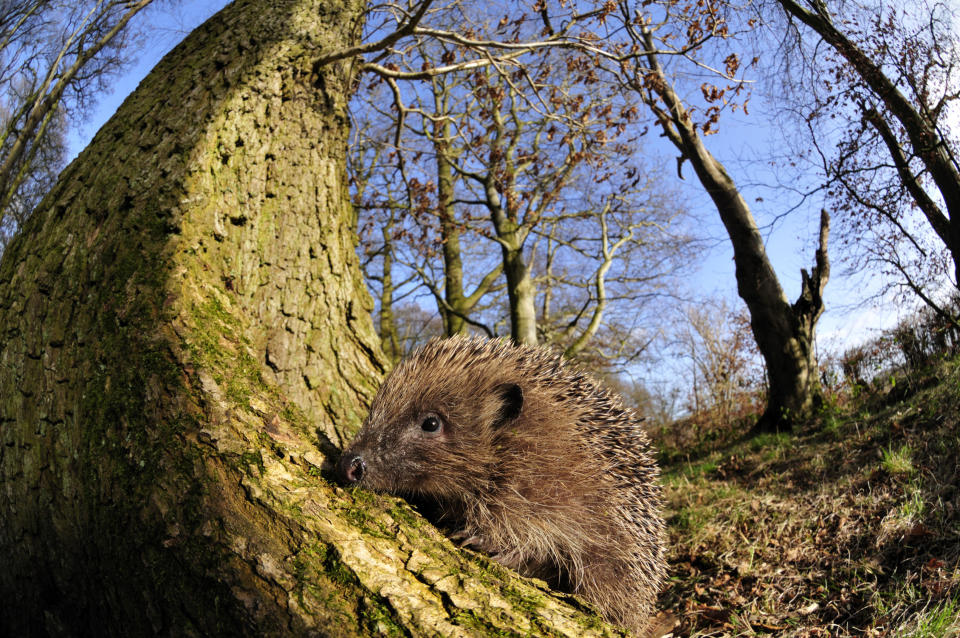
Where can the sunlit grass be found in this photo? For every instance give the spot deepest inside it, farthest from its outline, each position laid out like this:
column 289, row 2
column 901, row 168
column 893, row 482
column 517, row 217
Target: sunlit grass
column 898, row 462
column 904, row 518
column 936, row 621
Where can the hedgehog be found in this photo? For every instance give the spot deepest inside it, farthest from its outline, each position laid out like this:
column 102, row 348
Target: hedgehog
column 526, row 458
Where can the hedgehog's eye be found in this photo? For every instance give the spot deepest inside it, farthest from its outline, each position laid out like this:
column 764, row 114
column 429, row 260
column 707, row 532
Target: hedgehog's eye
column 430, row 424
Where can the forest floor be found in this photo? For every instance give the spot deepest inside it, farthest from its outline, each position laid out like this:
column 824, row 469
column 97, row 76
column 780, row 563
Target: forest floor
column 850, row 526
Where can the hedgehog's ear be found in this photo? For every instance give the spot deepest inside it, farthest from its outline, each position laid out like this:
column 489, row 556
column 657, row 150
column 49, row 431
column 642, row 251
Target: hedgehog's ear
column 511, row 402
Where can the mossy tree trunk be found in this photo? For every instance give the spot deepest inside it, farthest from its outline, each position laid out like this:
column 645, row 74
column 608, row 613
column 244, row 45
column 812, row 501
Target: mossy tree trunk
column 389, row 338
column 455, row 305
column 185, row 340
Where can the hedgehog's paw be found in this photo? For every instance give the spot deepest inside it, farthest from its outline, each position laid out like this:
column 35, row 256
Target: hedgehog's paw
column 466, row 538
column 512, row 559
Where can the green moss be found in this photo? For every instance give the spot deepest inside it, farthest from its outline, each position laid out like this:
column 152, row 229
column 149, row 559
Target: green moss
column 319, row 572
column 115, row 414
column 292, row 413
column 329, row 560
column 528, row 601
column 334, row 568
column 378, row 618
column 252, row 458
column 479, row 625
column 314, row 569
column 368, row 514
column 404, row 514
column 217, row 345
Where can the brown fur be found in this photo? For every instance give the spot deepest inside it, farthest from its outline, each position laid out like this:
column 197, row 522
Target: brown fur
column 565, row 489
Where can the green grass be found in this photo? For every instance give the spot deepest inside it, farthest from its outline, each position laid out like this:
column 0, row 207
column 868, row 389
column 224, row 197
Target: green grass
column 941, row 620
column 898, row 461
column 773, row 440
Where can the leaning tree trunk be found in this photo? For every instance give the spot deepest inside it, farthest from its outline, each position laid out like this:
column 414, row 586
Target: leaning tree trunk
column 784, row 332
column 185, row 340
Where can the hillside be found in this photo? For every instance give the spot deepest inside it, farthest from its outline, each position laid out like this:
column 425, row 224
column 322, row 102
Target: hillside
column 848, row 527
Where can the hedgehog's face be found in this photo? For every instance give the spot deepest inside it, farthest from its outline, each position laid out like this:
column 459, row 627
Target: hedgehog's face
column 436, row 441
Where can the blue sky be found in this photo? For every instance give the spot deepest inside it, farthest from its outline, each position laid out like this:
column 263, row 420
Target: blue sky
column 741, row 139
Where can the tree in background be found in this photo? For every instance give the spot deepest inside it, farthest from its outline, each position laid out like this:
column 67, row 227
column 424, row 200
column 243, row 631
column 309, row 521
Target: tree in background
column 417, row 177
column 36, row 179
column 641, row 38
column 606, row 263
column 889, row 76
column 377, row 233
column 529, row 155
column 723, row 361
column 54, row 58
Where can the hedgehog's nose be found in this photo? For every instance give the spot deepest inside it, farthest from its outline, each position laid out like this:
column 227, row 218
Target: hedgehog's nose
column 351, row 468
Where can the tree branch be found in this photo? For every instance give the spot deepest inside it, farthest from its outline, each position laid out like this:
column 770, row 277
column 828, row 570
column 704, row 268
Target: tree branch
column 383, row 43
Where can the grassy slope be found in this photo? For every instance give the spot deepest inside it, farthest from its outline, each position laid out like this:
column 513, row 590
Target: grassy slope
column 849, row 527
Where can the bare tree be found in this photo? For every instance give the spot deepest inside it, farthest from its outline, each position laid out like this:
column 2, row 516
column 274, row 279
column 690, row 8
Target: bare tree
column 724, row 363
column 54, row 57
column 784, row 331
column 606, row 261
column 893, row 79
column 630, row 43
column 514, row 145
column 417, row 208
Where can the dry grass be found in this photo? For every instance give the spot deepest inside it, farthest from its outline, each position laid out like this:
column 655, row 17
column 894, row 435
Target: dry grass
column 849, row 527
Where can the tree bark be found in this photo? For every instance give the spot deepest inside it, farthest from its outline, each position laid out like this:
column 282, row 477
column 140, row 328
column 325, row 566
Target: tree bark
column 521, row 293
column 185, row 341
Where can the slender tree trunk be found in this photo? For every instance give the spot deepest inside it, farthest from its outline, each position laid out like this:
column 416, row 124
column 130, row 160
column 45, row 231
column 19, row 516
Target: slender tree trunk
column 453, row 310
column 456, row 305
column 520, row 289
column 608, row 252
column 184, row 335
column 784, row 332
column 389, row 340
column 521, row 293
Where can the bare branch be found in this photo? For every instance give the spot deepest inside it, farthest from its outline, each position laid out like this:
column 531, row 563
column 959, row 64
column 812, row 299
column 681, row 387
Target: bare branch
column 384, row 43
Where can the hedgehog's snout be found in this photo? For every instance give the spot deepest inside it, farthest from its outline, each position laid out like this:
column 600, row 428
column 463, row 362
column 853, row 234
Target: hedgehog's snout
column 351, row 468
